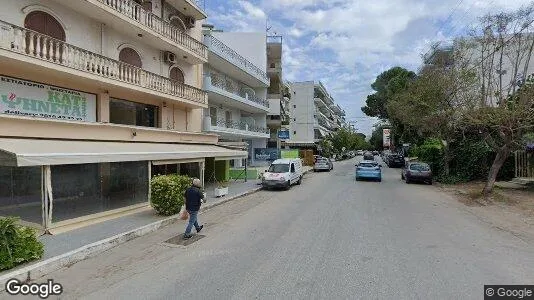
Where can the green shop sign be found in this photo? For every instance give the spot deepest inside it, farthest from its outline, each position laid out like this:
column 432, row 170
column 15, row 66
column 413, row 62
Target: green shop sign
column 26, row 98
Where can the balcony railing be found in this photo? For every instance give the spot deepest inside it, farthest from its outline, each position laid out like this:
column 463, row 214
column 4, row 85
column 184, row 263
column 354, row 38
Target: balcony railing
column 136, row 12
column 238, row 126
column 33, row 44
column 225, row 83
column 232, row 56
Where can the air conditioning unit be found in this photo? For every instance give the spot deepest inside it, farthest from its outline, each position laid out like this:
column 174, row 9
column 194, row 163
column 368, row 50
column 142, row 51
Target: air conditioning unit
column 190, row 22
column 170, row 57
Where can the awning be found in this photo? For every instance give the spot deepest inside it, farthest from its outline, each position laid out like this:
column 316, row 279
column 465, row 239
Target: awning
column 37, row 152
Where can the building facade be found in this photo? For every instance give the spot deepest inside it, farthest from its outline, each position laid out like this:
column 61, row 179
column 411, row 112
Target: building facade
column 236, row 81
column 314, row 114
column 277, row 93
column 97, row 96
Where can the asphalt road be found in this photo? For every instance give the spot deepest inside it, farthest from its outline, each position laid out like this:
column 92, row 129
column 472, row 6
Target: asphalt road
column 330, row 238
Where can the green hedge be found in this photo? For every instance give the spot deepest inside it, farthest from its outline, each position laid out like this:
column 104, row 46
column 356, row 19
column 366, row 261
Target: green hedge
column 471, row 159
column 18, row 244
column 167, row 193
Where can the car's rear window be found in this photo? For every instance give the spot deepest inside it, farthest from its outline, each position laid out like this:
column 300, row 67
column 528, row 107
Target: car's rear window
column 420, row 167
column 367, row 165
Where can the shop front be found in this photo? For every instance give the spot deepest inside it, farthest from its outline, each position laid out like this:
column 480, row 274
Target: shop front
column 54, row 183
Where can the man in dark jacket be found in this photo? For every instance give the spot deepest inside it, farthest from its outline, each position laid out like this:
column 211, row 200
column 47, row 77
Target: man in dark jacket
column 193, row 199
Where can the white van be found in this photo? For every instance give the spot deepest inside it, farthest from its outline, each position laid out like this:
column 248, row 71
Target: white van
column 283, row 173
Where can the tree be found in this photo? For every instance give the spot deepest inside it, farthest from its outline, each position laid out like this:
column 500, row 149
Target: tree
column 386, row 86
column 346, row 138
column 503, row 111
column 432, row 102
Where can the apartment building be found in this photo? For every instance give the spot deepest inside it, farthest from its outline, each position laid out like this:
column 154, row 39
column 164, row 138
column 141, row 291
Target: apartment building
column 96, row 97
column 314, row 115
column 236, row 81
column 278, row 94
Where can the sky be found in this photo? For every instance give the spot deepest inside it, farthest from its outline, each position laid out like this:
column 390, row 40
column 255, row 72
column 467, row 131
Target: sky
column 345, row 44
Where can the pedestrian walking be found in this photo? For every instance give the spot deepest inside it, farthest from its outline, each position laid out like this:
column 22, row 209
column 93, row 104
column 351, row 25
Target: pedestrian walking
column 193, row 200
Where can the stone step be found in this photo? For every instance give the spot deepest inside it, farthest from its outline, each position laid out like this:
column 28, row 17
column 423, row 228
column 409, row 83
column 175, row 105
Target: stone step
column 523, row 181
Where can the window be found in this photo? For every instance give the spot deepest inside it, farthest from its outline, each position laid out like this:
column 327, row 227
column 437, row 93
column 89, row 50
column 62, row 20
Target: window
column 44, row 23
column 213, row 116
column 20, row 193
column 292, row 168
column 294, row 132
column 84, row 189
column 132, row 113
column 147, row 5
column 130, row 56
column 278, row 168
column 177, row 75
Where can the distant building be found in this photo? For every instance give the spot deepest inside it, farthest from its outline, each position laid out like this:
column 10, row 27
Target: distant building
column 314, row 115
column 236, row 80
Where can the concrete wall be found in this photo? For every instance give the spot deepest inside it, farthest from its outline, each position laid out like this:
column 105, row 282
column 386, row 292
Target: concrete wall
column 250, row 45
column 302, row 111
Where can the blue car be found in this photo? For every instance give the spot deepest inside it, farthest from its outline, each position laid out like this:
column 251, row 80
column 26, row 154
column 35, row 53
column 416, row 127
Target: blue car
column 369, row 169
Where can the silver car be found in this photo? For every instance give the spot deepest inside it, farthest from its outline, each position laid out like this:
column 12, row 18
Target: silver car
column 323, row 164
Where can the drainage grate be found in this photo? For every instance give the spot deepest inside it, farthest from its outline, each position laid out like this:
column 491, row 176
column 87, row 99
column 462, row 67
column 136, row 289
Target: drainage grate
column 179, row 240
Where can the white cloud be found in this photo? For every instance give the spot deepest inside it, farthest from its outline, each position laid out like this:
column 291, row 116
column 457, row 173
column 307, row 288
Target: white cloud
column 347, row 43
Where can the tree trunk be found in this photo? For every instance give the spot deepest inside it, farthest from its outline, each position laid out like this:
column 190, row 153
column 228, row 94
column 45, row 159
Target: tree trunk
column 502, row 154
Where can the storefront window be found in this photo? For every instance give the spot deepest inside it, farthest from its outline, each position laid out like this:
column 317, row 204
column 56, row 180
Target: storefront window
column 85, row 189
column 164, row 169
column 132, row 113
column 20, row 193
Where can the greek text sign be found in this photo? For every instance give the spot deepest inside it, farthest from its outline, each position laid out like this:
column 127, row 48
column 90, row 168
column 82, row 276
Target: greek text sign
column 31, row 99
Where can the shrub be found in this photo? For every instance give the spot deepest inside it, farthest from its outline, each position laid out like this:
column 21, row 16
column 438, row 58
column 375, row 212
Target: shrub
column 167, row 193
column 18, row 244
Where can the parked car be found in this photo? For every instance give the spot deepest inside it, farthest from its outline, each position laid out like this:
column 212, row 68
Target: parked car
column 323, row 164
column 283, row 173
column 376, row 152
column 415, row 171
column 395, row 160
column 368, row 156
column 359, row 153
column 369, row 169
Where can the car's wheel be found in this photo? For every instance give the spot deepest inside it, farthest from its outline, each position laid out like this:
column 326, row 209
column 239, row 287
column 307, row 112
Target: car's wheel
column 300, row 180
column 357, row 179
column 408, row 180
column 430, row 182
column 379, row 179
column 402, row 176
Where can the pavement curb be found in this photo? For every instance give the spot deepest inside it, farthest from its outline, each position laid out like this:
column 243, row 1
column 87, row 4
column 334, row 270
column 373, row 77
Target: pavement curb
column 55, row 263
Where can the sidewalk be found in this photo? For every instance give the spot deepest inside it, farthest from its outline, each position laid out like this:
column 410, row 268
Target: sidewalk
column 72, row 246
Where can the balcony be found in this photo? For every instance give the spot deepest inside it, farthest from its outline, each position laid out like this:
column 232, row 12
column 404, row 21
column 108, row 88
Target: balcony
column 337, row 110
column 226, row 91
column 229, row 129
column 130, row 18
column 189, row 7
column 34, row 56
column 274, row 70
column 222, row 57
column 323, row 106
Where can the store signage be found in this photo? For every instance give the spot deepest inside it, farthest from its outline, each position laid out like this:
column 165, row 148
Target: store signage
column 26, row 98
column 386, row 137
column 289, row 154
column 283, row 134
column 266, row 154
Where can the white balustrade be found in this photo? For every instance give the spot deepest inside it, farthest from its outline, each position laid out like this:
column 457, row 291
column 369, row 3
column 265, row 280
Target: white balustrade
column 137, row 13
column 43, row 47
